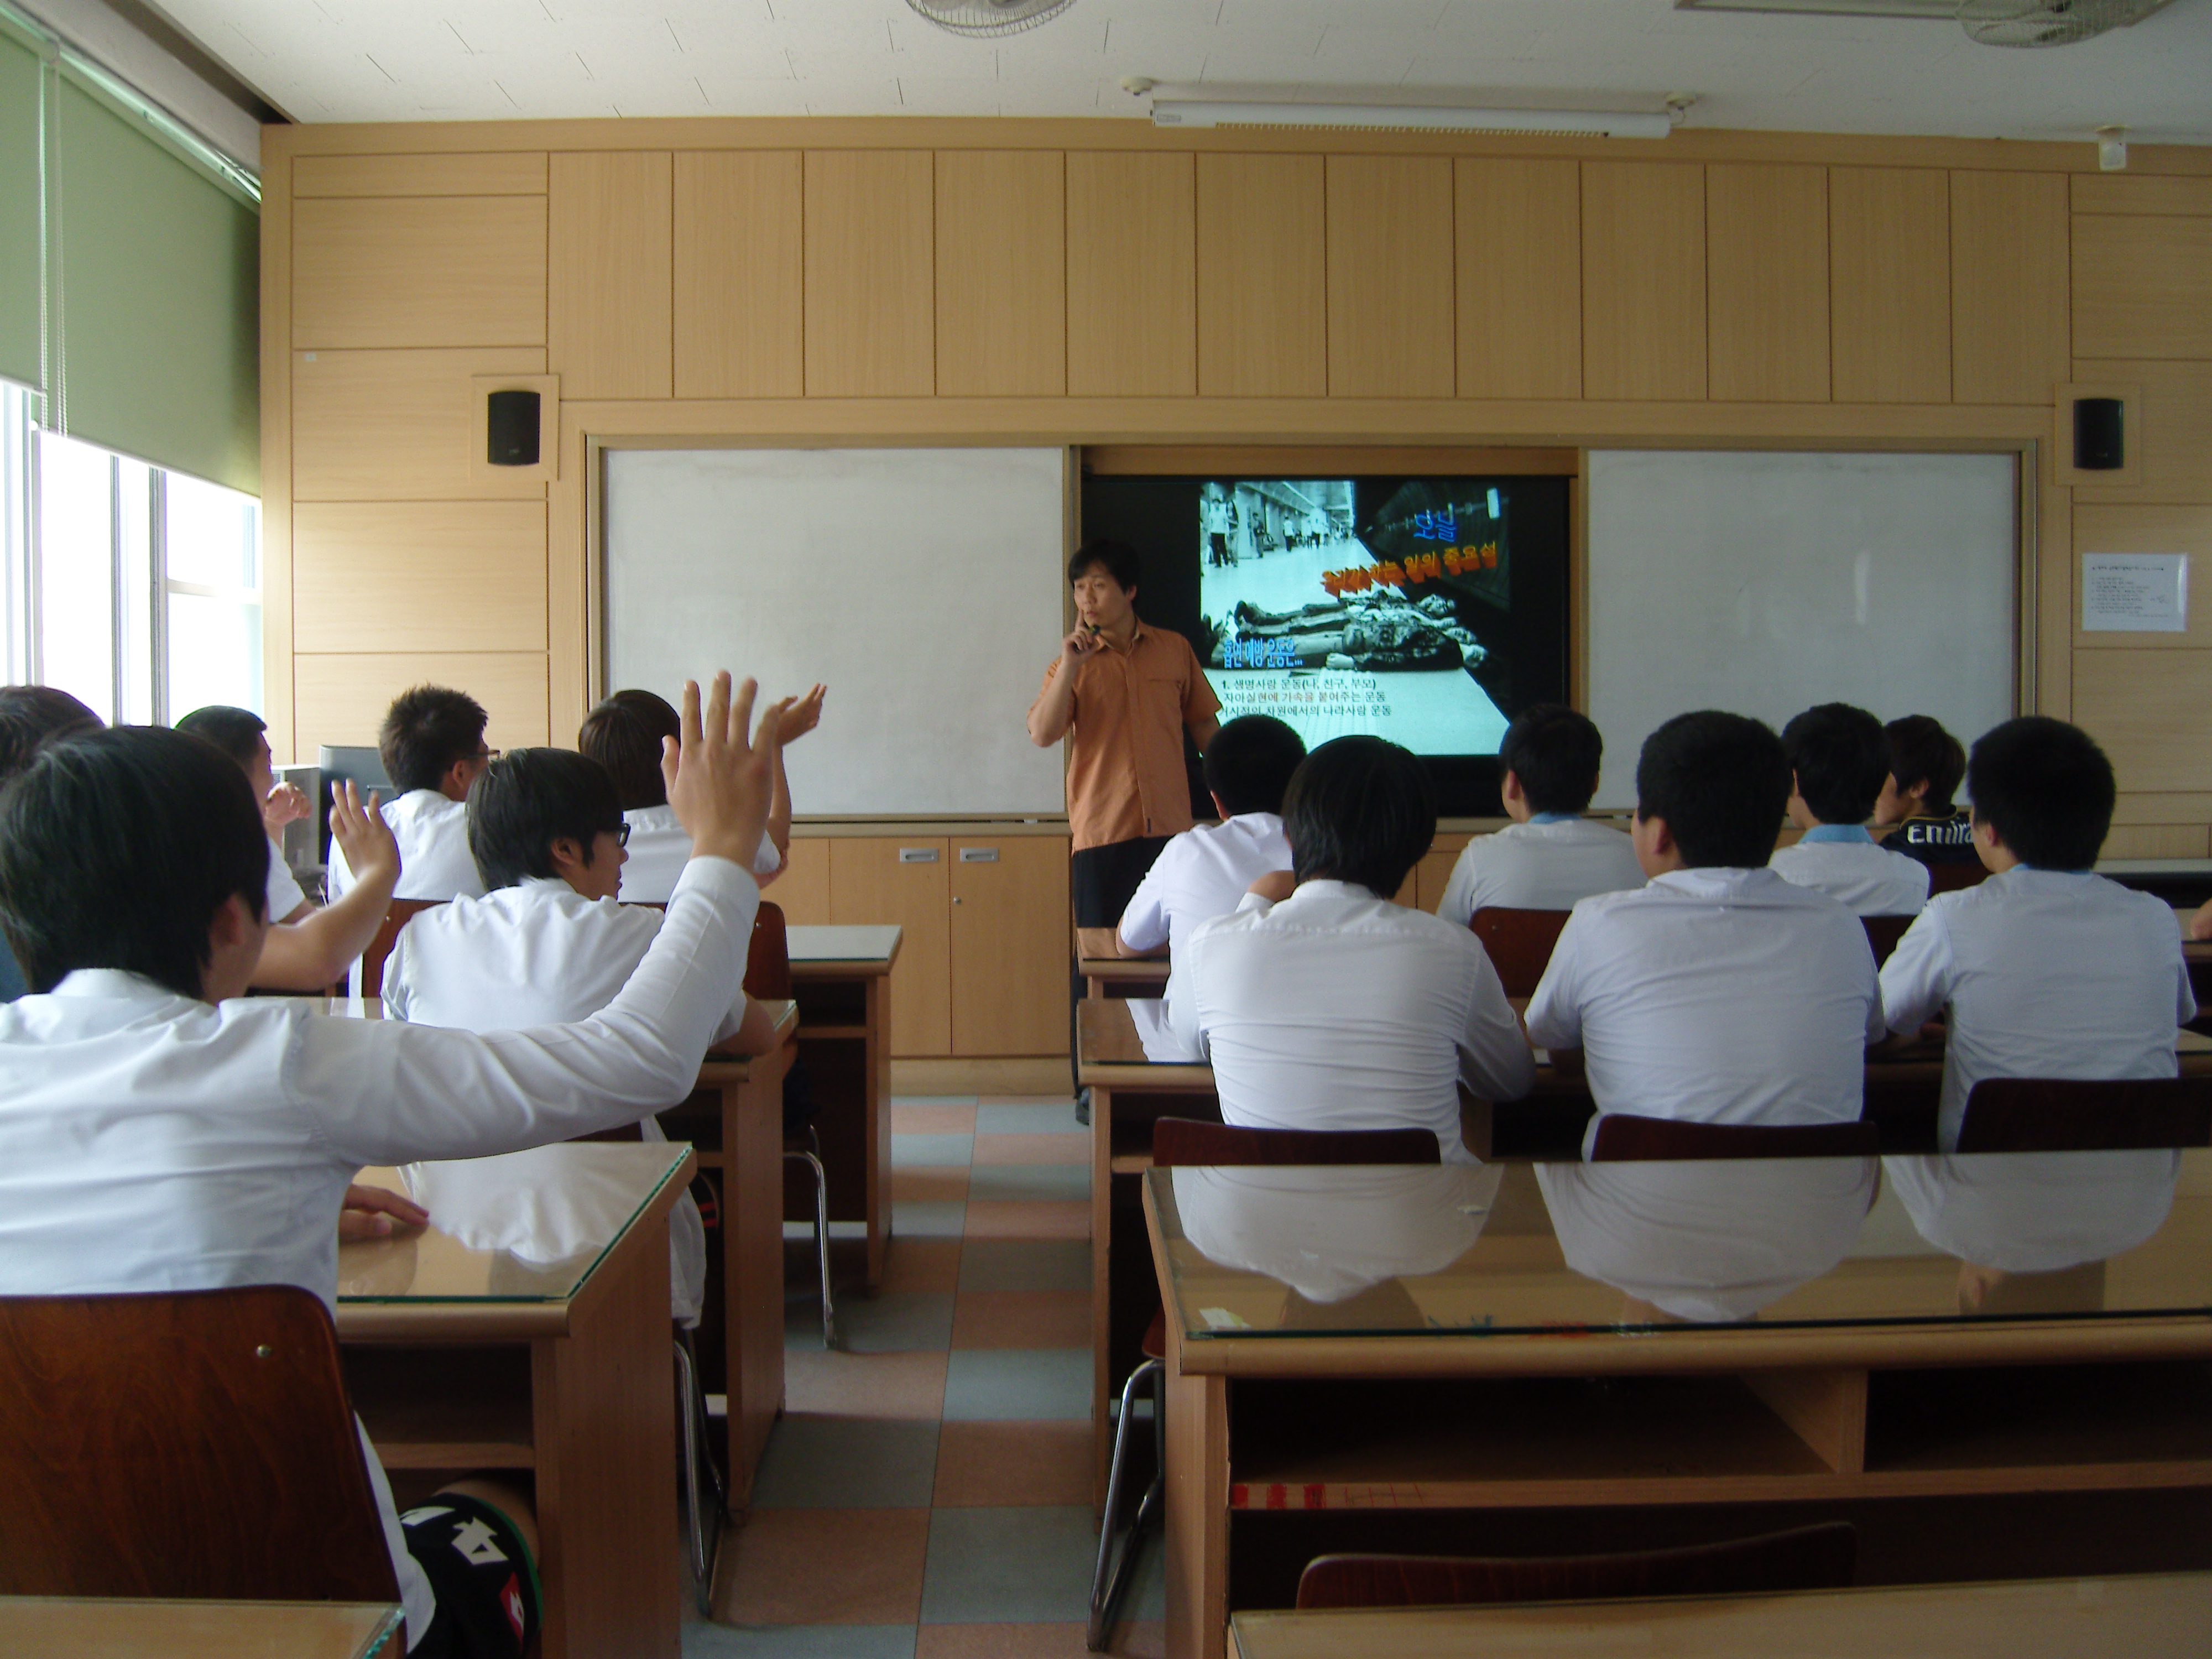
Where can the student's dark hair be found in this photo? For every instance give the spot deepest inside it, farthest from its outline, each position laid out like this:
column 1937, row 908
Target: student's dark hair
column 426, row 730
column 236, row 732
column 1119, row 558
column 1555, row 753
column 1250, row 763
column 117, row 849
column 1920, row 748
column 623, row 734
column 1360, row 809
column 525, row 801
column 33, row 716
column 1841, row 759
column 2046, row 788
column 1721, row 783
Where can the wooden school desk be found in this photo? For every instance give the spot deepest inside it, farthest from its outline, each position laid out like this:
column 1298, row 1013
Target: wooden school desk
column 1106, row 972
column 466, row 1350
column 44, row 1627
column 841, row 976
column 1502, row 1398
column 2052, row 1618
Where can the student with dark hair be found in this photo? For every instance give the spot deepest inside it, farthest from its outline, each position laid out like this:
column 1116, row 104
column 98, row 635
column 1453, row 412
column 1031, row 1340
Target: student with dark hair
column 1914, row 811
column 432, row 744
column 1203, row 873
column 549, row 944
column 1718, row 993
column 1332, row 1007
column 160, row 1132
column 31, row 717
column 624, row 735
column 309, row 948
column 1550, row 856
column 1839, row 762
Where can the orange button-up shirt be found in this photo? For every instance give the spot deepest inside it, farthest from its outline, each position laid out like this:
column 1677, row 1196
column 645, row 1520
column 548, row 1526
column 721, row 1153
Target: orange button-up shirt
column 1125, row 770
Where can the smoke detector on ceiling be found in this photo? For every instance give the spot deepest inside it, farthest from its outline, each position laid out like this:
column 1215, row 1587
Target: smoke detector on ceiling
column 985, row 17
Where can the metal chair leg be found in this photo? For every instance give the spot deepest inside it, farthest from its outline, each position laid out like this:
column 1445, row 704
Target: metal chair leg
column 1109, row 1579
column 703, row 1502
column 812, row 1154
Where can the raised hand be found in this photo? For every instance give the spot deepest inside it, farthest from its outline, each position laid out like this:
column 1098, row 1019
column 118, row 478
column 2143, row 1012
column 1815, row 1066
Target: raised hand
column 802, row 716
column 362, row 836
column 286, row 803
column 719, row 782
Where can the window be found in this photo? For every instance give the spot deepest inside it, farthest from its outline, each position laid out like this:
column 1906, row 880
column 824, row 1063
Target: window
column 136, row 589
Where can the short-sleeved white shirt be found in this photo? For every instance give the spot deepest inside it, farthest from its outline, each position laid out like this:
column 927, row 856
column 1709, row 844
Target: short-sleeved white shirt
column 435, row 861
column 658, row 847
column 1540, row 865
column 1714, row 996
column 284, row 892
column 1339, row 1010
column 1852, row 869
column 1201, row 874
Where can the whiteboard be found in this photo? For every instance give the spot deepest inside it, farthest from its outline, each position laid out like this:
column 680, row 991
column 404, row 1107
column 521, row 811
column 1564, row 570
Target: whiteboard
column 923, row 586
column 1765, row 582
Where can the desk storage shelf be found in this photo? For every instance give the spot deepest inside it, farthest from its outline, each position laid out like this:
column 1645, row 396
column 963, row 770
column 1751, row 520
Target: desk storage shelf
column 454, row 1408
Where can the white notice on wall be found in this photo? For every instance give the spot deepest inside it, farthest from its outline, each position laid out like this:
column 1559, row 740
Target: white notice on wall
column 2135, row 593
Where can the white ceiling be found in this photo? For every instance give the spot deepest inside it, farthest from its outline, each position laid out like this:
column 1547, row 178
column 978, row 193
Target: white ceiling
column 415, row 60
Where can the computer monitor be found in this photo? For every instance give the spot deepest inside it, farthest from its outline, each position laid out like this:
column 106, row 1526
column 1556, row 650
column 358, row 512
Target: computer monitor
column 339, row 762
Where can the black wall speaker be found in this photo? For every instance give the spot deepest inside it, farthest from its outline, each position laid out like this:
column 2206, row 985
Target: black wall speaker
column 512, row 428
column 2099, row 435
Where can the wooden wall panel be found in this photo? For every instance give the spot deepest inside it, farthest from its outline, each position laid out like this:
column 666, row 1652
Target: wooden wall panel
column 2130, row 529
column 1643, row 280
column 341, row 699
column 740, row 310
column 2152, row 724
column 2176, row 434
column 418, row 577
column 1766, row 282
column 1889, row 264
column 484, row 173
column 448, row 270
column 1389, row 277
column 2142, row 286
column 1132, row 276
column 2009, row 326
column 2139, row 192
column 1262, row 281
column 871, row 314
column 1001, row 239
column 1518, row 230
column 2155, row 841
column 609, row 245
column 397, row 425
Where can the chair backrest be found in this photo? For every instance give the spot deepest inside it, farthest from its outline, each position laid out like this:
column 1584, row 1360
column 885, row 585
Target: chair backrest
column 1952, row 878
column 1183, row 1141
column 1520, row 944
column 768, row 959
column 401, row 912
column 1623, row 1136
column 193, row 1443
column 2036, row 1114
column 1823, row 1557
column 1883, row 931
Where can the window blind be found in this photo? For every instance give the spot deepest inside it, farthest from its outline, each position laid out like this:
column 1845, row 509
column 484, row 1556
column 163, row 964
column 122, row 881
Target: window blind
column 21, row 254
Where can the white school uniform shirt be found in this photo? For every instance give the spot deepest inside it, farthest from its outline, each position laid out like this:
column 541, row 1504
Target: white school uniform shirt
column 149, row 1142
column 658, row 847
column 1339, row 1010
column 284, row 892
column 435, row 861
column 1550, row 863
column 542, row 954
column 1847, row 864
column 1201, row 874
column 1715, row 995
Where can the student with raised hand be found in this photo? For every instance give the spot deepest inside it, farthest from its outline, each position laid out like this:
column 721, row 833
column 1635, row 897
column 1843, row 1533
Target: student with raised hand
column 159, row 1131
column 31, row 717
column 1328, row 1007
column 1839, row 766
column 1204, row 871
column 1914, row 811
column 308, row 947
column 1550, row 856
column 549, row 945
column 624, row 734
column 1717, row 993
column 432, row 745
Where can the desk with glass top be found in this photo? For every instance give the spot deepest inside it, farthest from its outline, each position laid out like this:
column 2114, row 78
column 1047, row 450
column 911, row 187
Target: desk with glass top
column 841, row 976
column 1552, row 1358
column 526, row 1329
column 128, row 1627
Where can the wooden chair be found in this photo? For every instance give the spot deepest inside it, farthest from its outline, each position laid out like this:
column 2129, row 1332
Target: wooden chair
column 1883, row 934
column 2036, row 1115
column 1821, row 1557
column 1624, row 1137
column 1183, row 1143
column 1520, row 944
column 1955, row 877
column 193, row 1443
column 402, row 911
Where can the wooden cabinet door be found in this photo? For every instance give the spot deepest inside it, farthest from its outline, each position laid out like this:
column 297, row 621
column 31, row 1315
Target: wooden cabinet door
column 1009, row 945
column 902, row 880
column 803, row 889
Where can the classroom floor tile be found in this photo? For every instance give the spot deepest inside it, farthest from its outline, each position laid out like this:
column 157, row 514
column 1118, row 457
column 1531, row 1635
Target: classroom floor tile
column 921, row 1264
column 847, row 1462
column 928, row 1220
column 1059, row 1220
column 1142, row 1641
column 1072, row 1147
column 1029, row 1183
column 705, row 1641
column 994, row 1119
column 1026, row 1563
column 929, row 1184
column 1028, row 1383
column 1022, row 1319
column 876, row 1324
column 983, row 1465
column 936, row 1149
column 824, row 1567
column 831, row 1383
column 1005, row 1264
column 935, row 1100
column 915, row 1118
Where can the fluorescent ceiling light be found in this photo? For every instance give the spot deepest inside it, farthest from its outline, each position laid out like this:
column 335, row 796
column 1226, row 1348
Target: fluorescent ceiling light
column 1944, row 10
column 1424, row 118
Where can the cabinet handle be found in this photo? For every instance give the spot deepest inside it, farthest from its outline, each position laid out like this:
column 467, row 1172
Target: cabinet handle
column 917, row 855
column 979, row 855
column 955, row 898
